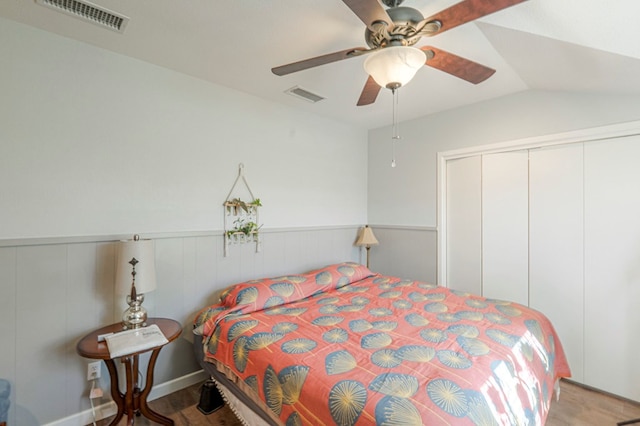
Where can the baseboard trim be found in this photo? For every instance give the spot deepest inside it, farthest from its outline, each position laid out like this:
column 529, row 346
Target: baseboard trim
column 175, row 385
column 109, row 408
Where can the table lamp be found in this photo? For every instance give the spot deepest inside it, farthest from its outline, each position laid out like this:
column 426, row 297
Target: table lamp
column 135, row 276
column 367, row 239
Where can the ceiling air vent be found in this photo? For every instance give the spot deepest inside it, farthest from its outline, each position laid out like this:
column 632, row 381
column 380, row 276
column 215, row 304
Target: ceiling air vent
column 89, row 12
column 304, row 94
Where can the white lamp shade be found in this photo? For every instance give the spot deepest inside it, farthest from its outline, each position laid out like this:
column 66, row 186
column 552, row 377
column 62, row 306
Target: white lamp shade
column 366, row 237
column 144, row 252
column 394, row 65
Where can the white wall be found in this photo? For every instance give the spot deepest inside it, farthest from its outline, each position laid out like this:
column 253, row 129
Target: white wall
column 95, row 143
column 384, row 257
column 95, row 146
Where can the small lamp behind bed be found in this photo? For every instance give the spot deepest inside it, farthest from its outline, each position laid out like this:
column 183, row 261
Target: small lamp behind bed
column 135, row 276
column 366, row 239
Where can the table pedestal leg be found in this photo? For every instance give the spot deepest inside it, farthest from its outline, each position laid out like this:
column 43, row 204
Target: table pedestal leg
column 144, row 408
column 117, row 396
column 131, row 377
column 134, row 401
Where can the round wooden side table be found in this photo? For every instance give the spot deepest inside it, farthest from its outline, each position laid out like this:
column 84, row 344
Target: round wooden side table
column 134, row 400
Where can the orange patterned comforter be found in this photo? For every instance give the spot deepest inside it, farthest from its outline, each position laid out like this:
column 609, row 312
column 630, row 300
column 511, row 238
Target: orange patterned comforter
column 344, row 346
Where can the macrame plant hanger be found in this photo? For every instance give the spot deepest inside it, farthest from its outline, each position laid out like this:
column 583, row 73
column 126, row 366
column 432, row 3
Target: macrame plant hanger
column 241, row 218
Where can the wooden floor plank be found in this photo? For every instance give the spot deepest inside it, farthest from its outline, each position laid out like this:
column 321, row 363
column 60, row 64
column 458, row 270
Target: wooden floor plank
column 576, row 406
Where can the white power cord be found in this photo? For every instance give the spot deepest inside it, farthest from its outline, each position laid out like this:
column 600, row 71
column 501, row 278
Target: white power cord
column 95, row 392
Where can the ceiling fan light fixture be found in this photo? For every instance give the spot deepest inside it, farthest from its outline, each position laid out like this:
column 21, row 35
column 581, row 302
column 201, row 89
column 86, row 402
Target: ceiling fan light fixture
column 394, row 66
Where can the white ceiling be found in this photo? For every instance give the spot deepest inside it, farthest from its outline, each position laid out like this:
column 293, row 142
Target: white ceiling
column 569, row 45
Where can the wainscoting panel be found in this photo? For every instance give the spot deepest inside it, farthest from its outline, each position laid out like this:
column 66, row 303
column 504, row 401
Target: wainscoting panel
column 41, row 322
column 53, row 293
column 83, row 309
column 8, row 256
column 407, row 252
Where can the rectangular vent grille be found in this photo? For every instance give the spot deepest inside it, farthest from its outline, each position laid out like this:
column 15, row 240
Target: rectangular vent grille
column 304, row 94
column 88, row 12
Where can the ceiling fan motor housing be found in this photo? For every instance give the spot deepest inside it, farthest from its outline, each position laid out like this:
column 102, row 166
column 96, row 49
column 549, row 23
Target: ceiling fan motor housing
column 403, row 33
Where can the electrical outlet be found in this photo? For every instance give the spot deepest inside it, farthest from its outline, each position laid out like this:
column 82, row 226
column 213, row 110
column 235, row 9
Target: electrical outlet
column 93, row 370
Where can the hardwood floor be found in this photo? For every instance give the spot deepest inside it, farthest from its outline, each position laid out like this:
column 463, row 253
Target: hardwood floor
column 582, row 406
column 577, row 407
column 181, row 407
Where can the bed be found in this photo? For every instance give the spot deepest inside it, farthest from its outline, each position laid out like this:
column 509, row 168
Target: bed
column 342, row 345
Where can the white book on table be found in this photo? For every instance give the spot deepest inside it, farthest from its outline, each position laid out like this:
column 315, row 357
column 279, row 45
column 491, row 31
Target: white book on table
column 135, row 340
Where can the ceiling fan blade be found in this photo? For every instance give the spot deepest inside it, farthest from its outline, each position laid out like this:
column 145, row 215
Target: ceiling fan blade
column 369, row 92
column 457, row 66
column 369, row 11
column 468, row 10
column 318, row 60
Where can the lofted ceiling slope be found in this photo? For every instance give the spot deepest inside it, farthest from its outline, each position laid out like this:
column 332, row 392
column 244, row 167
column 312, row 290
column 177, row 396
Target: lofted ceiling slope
column 568, row 45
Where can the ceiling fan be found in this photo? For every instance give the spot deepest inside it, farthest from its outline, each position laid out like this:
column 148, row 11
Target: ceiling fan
column 400, row 26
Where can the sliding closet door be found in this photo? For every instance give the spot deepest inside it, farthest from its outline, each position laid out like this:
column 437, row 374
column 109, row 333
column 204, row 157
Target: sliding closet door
column 556, row 254
column 464, row 226
column 612, row 265
column 505, row 217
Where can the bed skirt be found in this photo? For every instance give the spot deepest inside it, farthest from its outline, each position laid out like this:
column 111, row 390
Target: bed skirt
column 247, row 411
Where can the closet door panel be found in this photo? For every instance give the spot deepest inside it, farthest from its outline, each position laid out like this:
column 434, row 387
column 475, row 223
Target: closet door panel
column 464, row 226
column 505, row 217
column 556, row 254
column 612, row 265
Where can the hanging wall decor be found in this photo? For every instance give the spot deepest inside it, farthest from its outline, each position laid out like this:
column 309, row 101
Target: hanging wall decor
column 241, row 217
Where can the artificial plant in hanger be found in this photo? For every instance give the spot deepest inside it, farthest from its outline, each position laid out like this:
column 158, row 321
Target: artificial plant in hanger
column 235, row 204
column 241, row 217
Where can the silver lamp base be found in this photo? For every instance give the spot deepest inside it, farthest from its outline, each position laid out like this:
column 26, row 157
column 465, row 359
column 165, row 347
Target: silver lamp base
column 135, row 316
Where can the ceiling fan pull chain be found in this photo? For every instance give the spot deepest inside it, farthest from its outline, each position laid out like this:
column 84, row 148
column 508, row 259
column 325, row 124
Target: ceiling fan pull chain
column 394, row 127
